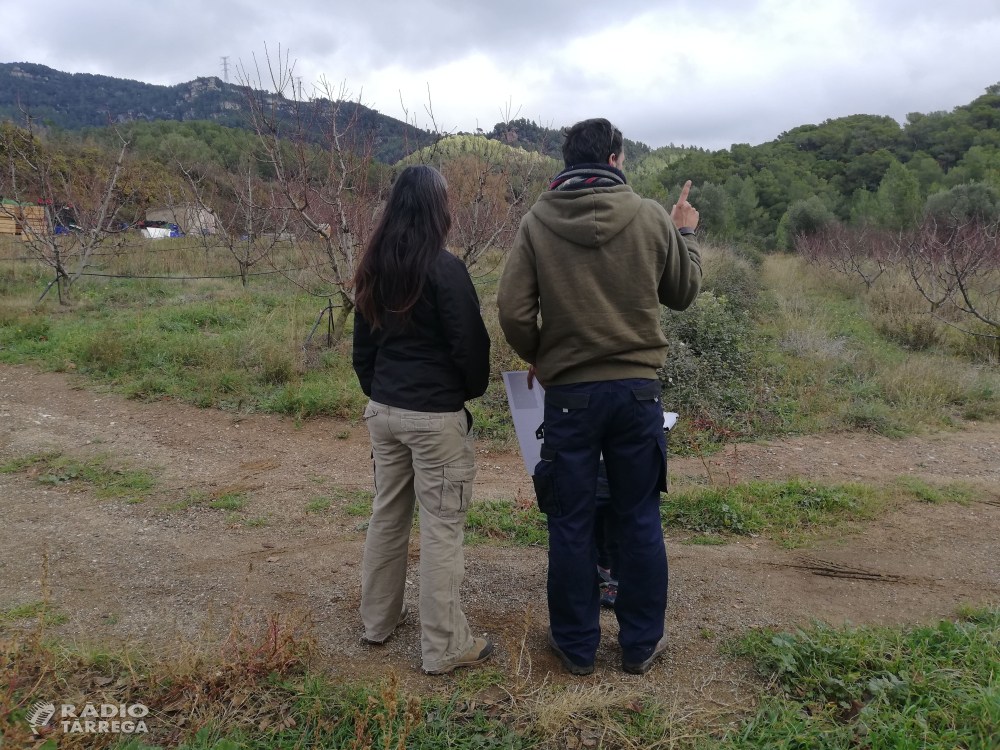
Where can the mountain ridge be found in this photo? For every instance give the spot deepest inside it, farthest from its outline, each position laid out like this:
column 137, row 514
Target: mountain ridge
column 74, row 101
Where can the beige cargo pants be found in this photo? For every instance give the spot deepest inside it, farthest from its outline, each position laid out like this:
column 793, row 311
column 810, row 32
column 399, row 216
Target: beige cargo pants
column 428, row 458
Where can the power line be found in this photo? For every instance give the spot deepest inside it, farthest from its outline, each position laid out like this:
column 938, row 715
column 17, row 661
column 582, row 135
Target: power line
column 225, row 68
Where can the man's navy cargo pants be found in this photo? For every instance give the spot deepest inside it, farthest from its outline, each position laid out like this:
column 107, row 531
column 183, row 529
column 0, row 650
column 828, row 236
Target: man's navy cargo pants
column 623, row 419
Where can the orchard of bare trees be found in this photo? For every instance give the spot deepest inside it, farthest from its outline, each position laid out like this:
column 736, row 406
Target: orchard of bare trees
column 301, row 175
column 950, row 260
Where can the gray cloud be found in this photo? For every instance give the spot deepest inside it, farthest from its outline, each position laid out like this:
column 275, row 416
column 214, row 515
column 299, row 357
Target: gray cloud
column 724, row 71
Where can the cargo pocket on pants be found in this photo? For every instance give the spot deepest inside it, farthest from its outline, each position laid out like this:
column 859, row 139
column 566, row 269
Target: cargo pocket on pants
column 648, row 397
column 456, row 489
column 544, row 480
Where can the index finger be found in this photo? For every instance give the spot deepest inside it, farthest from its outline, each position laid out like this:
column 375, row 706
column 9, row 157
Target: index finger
column 684, row 192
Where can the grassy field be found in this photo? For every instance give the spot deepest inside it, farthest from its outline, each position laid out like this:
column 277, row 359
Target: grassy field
column 934, row 687
column 773, row 346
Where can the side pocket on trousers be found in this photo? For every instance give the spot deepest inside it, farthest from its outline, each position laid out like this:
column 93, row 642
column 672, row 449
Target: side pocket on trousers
column 544, row 480
column 370, row 411
column 456, row 489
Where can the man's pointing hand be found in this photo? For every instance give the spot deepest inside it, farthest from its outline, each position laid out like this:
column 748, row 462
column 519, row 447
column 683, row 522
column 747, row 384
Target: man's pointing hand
column 683, row 213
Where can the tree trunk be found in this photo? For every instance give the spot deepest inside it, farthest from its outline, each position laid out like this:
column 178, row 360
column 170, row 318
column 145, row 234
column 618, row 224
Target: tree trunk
column 340, row 321
column 64, row 286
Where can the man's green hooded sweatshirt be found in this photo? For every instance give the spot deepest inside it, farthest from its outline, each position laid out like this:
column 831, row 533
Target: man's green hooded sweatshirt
column 595, row 264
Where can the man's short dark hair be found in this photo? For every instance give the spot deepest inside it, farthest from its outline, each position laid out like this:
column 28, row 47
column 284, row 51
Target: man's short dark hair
column 591, row 142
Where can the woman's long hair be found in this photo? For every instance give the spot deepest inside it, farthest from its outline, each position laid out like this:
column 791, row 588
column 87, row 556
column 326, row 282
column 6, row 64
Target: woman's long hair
column 411, row 232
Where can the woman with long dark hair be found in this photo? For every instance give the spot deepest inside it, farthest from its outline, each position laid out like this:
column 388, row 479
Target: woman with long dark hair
column 420, row 351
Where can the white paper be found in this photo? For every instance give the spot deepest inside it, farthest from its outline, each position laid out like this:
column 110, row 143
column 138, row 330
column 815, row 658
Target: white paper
column 669, row 420
column 527, row 407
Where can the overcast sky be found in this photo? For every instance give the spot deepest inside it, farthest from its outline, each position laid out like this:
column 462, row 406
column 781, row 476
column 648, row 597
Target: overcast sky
column 712, row 72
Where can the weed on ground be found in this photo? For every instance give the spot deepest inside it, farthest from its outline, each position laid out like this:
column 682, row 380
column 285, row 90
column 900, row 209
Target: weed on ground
column 506, row 522
column 794, row 511
column 98, row 472
column 935, row 687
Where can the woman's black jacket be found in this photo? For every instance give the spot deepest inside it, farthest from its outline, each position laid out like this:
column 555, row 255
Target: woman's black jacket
column 440, row 358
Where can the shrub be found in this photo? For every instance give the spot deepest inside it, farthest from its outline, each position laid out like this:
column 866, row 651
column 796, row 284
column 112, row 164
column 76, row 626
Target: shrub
column 732, row 274
column 708, row 365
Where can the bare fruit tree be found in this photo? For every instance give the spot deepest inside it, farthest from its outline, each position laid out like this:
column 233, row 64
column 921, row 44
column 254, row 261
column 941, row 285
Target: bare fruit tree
column 242, row 210
column 319, row 155
column 85, row 196
column 319, row 158
column 490, row 185
column 956, row 267
column 865, row 252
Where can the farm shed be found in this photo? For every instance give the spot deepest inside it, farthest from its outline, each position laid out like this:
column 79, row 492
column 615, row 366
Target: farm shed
column 24, row 219
column 189, row 218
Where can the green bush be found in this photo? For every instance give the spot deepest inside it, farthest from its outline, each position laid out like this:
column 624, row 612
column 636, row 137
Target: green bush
column 708, row 369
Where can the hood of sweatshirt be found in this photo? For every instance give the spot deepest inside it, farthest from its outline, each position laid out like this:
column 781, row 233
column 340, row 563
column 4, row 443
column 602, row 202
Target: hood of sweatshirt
column 587, row 217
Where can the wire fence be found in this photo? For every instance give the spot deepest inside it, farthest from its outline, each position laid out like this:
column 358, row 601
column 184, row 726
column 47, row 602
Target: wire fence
column 203, row 278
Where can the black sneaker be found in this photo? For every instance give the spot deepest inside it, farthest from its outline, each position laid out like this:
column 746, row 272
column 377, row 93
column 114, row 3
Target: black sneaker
column 566, row 662
column 644, row 666
column 609, row 592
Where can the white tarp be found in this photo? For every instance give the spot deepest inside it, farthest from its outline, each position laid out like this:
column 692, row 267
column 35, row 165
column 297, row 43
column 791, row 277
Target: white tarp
column 155, row 233
column 527, row 407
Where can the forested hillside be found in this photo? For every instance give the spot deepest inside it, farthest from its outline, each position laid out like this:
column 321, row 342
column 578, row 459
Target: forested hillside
column 74, row 101
column 858, row 169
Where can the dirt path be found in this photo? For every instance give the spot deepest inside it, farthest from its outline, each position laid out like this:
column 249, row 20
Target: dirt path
column 145, row 573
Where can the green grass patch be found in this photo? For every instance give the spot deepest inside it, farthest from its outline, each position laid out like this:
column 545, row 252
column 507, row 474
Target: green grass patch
column 318, row 504
column 793, row 511
column 229, row 501
column 949, row 493
column 932, row 687
column 786, row 510
column 361, row 504
column 708, row 540
column 473, row 681
column 31, row 611
column 194, row 497
column 221, row 348
column 107, row 479
column 505, row 522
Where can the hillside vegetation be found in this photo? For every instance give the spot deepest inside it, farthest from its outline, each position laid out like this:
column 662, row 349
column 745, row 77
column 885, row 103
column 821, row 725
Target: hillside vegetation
column 845, row 169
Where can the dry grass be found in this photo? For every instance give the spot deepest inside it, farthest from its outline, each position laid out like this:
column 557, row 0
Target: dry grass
column 195, row 682
column 855, row 358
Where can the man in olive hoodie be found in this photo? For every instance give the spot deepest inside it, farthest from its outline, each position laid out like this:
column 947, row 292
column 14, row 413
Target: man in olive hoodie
column 595, row 262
